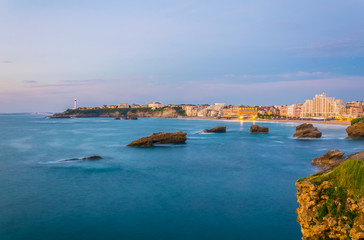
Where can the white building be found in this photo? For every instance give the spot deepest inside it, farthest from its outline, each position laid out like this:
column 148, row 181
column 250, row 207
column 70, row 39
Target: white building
column 123, row 105
column 321, row 107
column 154, row 105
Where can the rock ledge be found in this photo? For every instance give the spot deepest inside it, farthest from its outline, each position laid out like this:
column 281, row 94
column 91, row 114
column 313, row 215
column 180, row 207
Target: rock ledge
column 160, row 138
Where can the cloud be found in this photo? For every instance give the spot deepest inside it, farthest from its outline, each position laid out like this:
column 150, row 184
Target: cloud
column 65, row 83
column 6, row 61
column 30, row 81
column 298, row 74
column 347, row 47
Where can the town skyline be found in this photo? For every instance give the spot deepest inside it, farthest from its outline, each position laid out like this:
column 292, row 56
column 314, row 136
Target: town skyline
column 321, row 106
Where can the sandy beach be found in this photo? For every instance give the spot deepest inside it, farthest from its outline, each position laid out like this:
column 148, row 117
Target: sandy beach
column 332, row 122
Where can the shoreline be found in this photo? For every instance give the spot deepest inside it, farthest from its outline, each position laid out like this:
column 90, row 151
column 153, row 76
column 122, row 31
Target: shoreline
column 330, row 122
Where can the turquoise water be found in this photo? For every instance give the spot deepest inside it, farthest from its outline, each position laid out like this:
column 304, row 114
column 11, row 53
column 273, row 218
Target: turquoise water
column 216, row 186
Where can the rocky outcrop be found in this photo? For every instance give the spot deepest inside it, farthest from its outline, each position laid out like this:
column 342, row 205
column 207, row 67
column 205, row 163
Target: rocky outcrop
column 160, row 138
column 85, row 158
column 59, row 115
column 358, row 155
column 131, row 116
column 86, row 115
column 356, row 130
column 167, row 112
column 333, row 158
column 307, row 130
column 257, row 129
column 220, row 129
column 329, row 209
column 329, row 160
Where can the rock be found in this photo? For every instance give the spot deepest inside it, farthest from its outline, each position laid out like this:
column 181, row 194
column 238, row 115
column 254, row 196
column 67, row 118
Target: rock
column 131, row 116
column 160, row 138
column 356, row 130
column 59, row 115
column 258, row 129
column 358, row 155
column 329, row 160
column 333, row 158
column 220, row 129
column 85, row 158
column 307, row 130
column 117, row 118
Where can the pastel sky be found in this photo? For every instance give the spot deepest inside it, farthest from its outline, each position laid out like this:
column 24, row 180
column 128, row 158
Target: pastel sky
column 259, row 52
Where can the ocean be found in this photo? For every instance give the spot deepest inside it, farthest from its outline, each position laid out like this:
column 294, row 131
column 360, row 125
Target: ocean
column 231, row 185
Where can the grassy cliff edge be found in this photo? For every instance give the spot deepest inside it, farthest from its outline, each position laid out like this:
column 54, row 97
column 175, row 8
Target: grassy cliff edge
column 332, row 203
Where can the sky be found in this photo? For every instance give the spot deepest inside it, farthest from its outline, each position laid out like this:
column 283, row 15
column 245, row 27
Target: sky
column 259, row 52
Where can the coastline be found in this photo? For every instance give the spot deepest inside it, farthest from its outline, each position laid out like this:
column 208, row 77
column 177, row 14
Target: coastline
column 331, row 122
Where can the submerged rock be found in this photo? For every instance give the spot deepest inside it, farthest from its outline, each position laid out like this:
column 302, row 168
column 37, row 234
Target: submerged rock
column 85, row 158
column 160, row 138
column 220, row 129
column 257, row 129
column 307, row 130
column 356, row 130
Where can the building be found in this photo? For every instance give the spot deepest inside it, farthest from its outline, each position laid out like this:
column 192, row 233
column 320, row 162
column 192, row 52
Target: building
column 230, row 111
column 352, row 112
column 294, row 110
column 218, row 106
column 321, row 107
column 273, row 111
column 283, row 110
column 75, row 104
column 123, row 105
column 135, row 106
column 154, row 105
column 358, row 104
column 189, row 110
column 248, row 111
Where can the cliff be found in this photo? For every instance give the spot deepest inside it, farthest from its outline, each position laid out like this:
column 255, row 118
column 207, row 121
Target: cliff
column 331, row 204
column 356, row 130
column 165, row 112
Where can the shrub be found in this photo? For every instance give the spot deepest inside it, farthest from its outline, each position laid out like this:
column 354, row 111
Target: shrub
column 357, row 120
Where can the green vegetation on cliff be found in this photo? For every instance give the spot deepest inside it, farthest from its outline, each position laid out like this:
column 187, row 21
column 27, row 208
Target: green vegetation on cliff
column 331, row 203
column 349, row 175
column 346, row 182
column 357, row 120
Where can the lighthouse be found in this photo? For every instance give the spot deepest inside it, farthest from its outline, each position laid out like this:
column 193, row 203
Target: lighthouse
column 75, row 104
